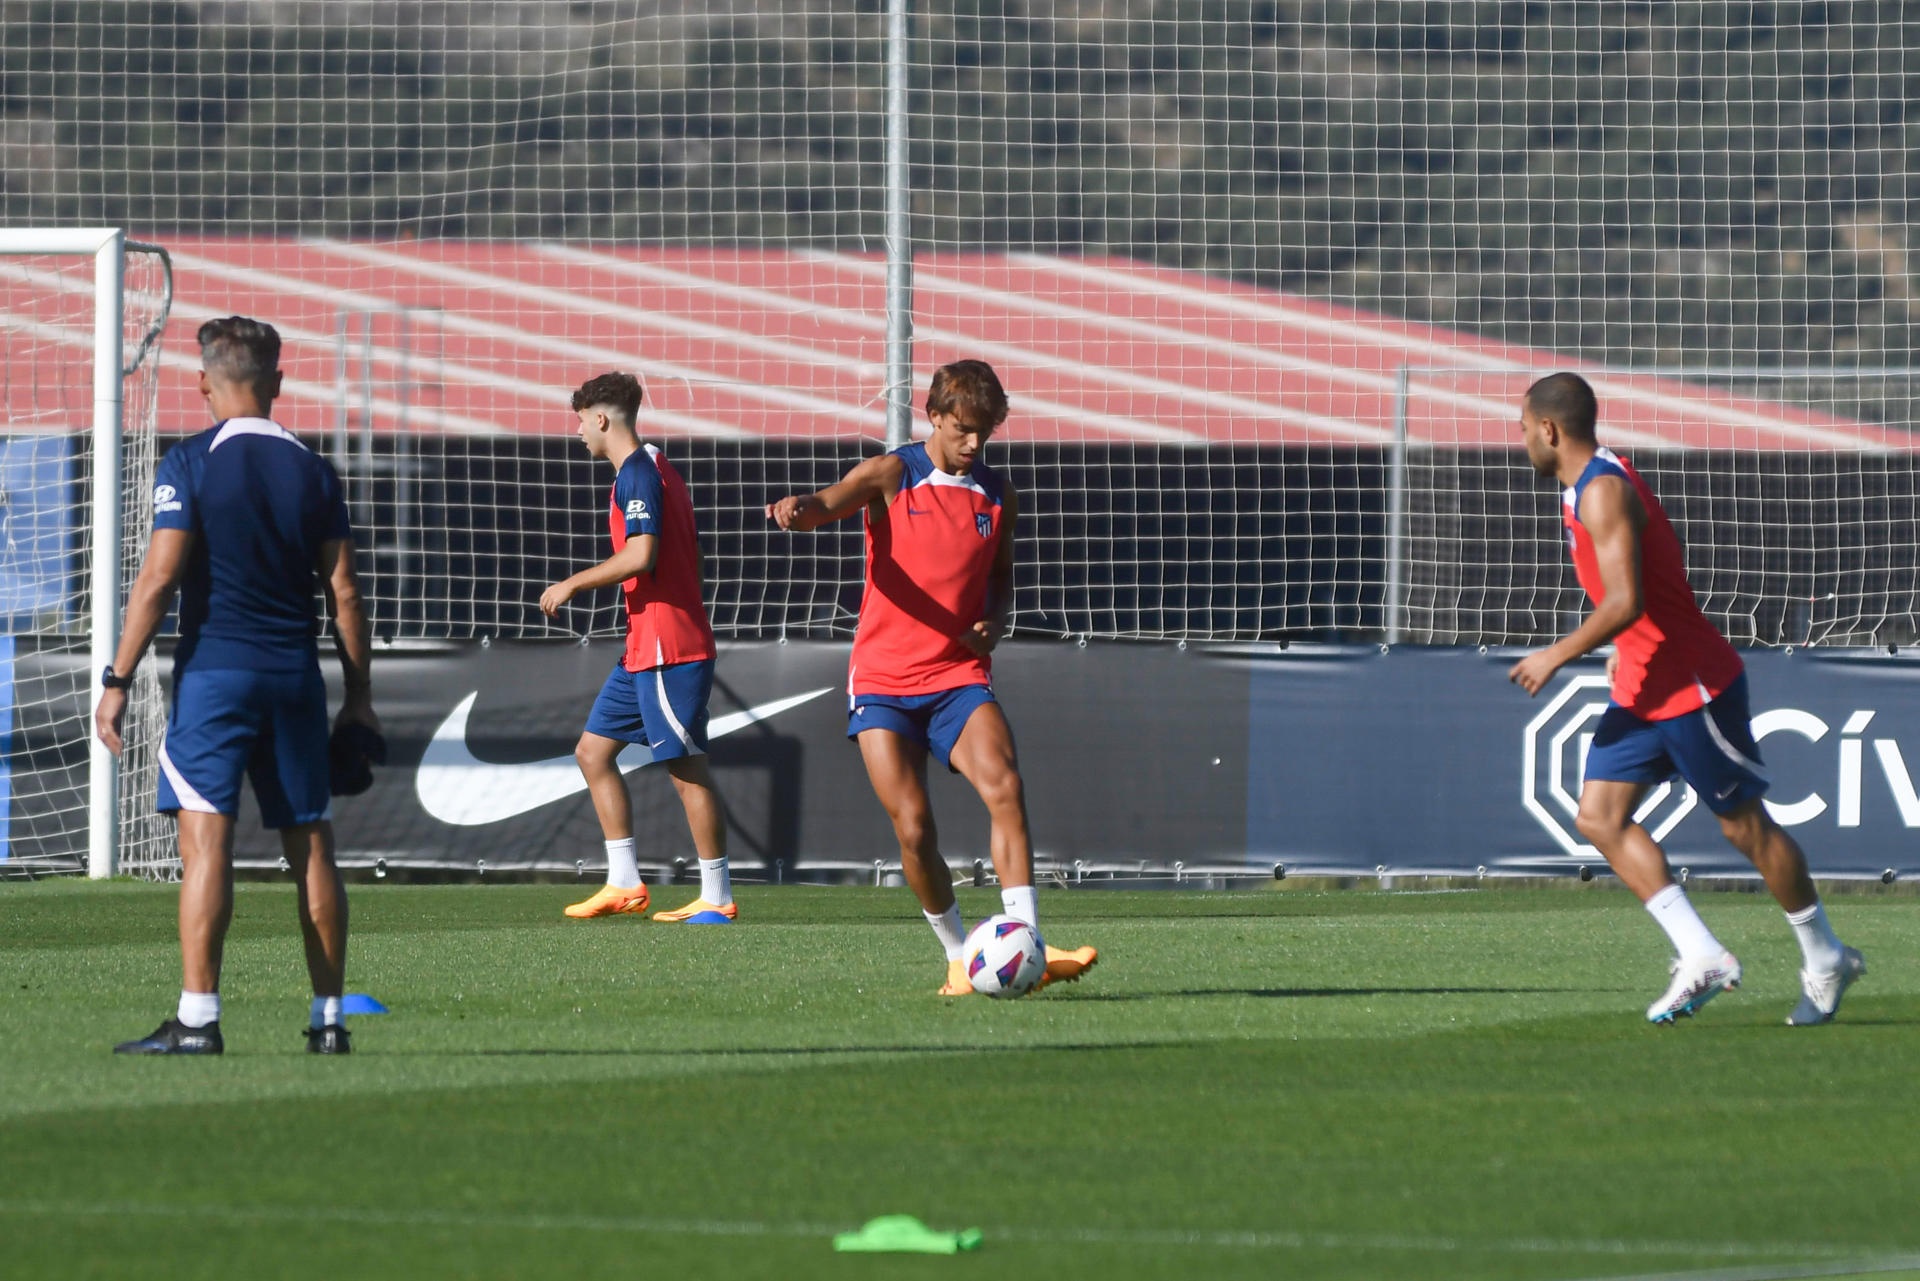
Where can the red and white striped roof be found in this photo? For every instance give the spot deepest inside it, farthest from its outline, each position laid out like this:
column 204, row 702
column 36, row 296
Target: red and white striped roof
column 490, row 338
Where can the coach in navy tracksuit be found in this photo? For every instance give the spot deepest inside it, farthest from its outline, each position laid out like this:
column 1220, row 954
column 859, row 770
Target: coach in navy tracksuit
column 247, row 521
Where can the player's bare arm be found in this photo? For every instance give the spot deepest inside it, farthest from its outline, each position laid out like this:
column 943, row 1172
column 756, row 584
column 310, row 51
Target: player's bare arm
column 984, row 635
column 147, row 604
column 353, row 631
column 875, row 480
column 1613, row 516
column 631, row 561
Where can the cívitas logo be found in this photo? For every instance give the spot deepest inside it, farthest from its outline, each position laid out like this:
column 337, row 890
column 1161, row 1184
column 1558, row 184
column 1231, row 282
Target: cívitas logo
column 1554, row 750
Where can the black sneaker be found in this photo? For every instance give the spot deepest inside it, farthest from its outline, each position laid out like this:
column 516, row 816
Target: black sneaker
column 331, row 1039
column 175, row 1037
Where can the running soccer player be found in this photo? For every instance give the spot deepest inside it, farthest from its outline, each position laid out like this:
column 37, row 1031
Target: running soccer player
column 246, row 521
column 657, row 693
column 1679, row 706
column 939, row 587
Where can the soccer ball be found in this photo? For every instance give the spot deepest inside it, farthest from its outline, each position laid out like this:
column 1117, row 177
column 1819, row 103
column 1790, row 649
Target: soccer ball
column 1004, row 957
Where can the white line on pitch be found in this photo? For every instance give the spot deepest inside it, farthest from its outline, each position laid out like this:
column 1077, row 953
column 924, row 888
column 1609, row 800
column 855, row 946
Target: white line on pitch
column 1226, row 1240
column 1785, row 1272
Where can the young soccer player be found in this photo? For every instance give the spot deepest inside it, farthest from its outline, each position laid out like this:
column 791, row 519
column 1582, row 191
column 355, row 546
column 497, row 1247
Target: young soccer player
column 657, row 693
column 1679, row 706
column 939, row 587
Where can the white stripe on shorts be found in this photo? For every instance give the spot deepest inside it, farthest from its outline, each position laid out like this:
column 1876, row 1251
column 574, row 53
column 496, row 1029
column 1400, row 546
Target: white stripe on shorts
column 183, row 790
column 660, row 688
column 1733, row 753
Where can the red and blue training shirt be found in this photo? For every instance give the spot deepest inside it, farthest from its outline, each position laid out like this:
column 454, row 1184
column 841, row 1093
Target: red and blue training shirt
column 1672, row 659
column 930, row 561
column 666, row 617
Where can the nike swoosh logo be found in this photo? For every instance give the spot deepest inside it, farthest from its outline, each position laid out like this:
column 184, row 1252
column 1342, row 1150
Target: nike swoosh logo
column 457, row 787
column 1726, row 791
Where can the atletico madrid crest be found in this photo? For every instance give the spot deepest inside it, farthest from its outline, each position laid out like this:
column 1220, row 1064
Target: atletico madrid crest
column 983, row 523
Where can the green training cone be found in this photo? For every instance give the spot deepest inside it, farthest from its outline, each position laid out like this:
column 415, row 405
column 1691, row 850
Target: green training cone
column 904, row 1234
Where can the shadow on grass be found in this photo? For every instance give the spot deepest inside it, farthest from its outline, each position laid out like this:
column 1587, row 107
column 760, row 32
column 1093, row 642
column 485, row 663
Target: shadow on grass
column 1305, row 993
column 790, row 1051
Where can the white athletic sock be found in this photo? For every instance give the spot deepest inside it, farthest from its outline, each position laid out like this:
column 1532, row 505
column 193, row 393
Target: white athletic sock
column 1818, row 943
column 197, row 1009
column 1018, row 901
column 623, row 871
column 715, row 885
column 1674, row 914
column 948, row 927
column 325, row 1012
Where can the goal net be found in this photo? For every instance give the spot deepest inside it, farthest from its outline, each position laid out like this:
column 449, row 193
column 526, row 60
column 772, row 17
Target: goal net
column 1264, row 282
column 81, row 317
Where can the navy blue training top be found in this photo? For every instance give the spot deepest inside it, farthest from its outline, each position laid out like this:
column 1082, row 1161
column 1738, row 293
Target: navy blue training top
column 259, row 504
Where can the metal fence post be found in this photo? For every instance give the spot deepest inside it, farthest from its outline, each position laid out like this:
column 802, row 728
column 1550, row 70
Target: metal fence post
column 899, row 234
column 1397, row 509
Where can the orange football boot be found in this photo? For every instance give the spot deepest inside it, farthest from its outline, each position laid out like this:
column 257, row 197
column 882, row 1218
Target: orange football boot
column 609, row 900
column 729, row 910
column 1066, row 965
column 957, row 982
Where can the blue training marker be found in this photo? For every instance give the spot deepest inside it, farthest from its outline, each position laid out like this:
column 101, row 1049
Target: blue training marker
column 709, row 918
column 360, row 1003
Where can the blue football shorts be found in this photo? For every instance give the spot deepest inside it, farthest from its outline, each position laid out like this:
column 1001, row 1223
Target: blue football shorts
column 932, row 720
column 1712, row 749
column 270, row 727
column 663, row 707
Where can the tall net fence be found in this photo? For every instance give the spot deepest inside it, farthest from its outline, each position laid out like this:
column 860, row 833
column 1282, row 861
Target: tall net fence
column 1797, row 530
column 47, row 461
column 1258, row 277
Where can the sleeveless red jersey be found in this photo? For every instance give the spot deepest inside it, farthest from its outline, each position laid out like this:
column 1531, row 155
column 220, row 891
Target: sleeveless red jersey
column 1672, row 659
column 929, row 568
column 666, row 618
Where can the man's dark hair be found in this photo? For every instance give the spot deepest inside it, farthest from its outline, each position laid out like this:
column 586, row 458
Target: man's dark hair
column 615, row 391
column 240, row 350
column 970, row 385
column 1568, row 399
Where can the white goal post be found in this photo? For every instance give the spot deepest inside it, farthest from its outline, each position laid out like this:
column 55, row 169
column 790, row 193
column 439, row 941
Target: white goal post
column 51, row 313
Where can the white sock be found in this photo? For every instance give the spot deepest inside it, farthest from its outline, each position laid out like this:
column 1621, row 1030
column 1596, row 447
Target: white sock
column 1019, row 902
column 325, row 1012
column 948, row 927
column 197, row 1009
column 623, row 871
column 1674, row 914
column 1818, row 943
column 715, row 885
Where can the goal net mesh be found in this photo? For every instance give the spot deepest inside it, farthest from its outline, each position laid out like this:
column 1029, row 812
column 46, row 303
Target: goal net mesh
column 1264, row 281
column 47, row 461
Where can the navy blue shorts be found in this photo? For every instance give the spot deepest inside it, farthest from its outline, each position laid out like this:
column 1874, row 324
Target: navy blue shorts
column 663, row 707
column 1712, row 749
column 932, row 720
column 270, row 727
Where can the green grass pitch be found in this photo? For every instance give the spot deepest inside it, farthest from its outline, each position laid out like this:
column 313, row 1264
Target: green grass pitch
column 1285, row 1083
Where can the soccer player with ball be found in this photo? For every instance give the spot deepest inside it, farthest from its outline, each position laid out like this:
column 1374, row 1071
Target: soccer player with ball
column 1679, row 706
column 939, row 586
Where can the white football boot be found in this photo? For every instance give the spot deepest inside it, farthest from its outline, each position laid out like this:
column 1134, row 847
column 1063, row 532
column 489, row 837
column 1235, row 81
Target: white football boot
column 1695, row 983
column 1820, row 993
